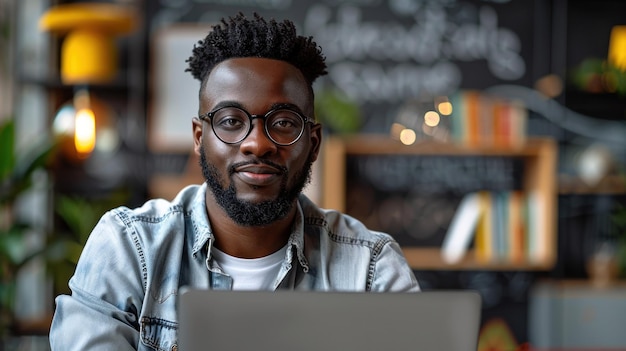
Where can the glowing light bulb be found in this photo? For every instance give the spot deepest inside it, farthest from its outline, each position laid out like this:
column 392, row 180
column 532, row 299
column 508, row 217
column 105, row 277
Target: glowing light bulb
column 408, row 137
column 85, row 132
column 431, row 118
column 445, row 108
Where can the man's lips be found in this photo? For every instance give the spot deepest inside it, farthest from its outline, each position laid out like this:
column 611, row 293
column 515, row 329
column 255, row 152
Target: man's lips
column 257, row 174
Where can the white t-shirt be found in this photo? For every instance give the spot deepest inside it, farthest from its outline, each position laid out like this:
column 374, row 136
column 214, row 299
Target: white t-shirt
column 251, row 273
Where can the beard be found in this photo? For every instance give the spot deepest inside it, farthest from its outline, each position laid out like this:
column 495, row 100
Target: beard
column 250, row 214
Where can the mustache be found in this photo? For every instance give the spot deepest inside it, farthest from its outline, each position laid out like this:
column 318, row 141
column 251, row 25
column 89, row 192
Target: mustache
column 256, row 161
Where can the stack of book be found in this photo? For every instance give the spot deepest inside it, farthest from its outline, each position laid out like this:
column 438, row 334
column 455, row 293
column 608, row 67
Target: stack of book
column 479, row 119
column 504, row 226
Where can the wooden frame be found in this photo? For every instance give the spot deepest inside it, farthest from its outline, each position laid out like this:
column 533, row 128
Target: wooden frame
column 539, row 156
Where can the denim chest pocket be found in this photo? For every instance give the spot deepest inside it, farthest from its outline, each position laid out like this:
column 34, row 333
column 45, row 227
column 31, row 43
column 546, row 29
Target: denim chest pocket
column 159, row 334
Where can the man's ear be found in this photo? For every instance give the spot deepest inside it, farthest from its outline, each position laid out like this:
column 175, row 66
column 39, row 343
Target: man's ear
column 196, row 125
column 316, row 140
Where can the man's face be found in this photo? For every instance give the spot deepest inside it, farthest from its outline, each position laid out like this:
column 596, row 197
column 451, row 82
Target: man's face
column 255, row 181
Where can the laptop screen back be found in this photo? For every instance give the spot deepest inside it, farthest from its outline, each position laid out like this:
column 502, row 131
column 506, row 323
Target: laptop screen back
column 288, row 320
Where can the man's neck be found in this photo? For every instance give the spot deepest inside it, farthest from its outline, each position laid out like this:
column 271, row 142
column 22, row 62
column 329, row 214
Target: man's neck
column 248, row 241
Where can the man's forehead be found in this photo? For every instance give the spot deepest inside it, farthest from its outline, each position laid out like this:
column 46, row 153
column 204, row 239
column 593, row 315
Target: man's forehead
column 262, row 77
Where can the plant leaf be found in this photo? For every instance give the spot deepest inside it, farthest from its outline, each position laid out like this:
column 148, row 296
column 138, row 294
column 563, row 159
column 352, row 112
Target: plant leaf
column 19, row 178
column 7, row 145
column 13, row 248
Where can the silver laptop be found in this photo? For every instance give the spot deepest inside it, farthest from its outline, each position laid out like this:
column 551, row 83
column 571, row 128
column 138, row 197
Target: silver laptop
column 288, row 320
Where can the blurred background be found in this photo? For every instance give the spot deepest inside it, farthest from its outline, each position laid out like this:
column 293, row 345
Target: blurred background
column 487, row 136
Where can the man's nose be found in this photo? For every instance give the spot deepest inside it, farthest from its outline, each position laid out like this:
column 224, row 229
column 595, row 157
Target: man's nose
column 257, row 142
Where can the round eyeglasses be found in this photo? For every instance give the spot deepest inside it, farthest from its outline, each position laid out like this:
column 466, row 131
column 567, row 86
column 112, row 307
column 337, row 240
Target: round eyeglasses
column 232, row 125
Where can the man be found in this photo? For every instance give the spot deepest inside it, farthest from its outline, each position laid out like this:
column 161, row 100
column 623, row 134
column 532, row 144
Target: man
column 248, row 226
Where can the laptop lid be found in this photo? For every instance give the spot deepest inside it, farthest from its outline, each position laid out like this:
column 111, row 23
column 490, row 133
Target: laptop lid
column 289, row 320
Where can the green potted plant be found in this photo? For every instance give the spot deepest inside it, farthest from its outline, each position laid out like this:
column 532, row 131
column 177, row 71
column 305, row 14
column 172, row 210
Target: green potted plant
column 16, row 177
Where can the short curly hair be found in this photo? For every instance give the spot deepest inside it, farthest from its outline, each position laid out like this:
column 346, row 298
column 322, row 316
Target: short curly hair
column 240, row 36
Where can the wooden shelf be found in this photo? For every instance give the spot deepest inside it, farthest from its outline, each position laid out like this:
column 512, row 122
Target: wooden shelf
column 431, row 259
column 373, row 144
column 539, row 157
column 609, row 185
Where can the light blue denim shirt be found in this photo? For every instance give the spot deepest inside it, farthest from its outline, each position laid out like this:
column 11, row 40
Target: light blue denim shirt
column 127, row 279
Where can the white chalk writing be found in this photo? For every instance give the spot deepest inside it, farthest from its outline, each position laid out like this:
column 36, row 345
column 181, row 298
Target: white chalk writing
column 389, row 61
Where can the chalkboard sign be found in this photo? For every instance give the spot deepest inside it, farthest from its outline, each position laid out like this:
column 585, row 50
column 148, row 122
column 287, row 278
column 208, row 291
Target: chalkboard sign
column 414, row 197
column 382, row 54
column 414, row 220
column 436, row 174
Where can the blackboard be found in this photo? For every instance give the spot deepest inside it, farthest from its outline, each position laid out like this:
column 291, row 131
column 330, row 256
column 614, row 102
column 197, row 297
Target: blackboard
column 382, row 54
column 414, row 197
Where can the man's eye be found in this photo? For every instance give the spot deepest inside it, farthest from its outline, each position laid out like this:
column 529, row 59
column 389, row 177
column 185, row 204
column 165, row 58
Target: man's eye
column 284, row 123
column 230, row 122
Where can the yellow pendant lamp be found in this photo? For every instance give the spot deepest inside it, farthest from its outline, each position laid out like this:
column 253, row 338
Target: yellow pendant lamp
column 88, row 52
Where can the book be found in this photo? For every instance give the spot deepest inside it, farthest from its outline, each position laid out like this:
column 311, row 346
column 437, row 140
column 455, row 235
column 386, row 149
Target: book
column 516, row 227
column 472, row 105
column 483, row 242
column 538, row 239
column 500, row 217
column 461, row 229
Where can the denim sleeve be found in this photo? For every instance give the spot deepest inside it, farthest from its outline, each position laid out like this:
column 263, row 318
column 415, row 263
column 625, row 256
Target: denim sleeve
column 107, row 290
column 391, row 271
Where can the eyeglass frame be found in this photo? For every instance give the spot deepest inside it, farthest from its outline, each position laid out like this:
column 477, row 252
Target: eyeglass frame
column 208, row 117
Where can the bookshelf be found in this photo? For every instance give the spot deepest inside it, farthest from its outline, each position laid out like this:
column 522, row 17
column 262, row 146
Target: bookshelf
column 539, row 158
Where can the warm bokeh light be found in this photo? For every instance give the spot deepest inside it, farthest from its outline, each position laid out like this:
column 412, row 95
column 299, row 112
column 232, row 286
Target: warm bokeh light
column 85, row 125
column 408, row 137
column 85, row 133
column 445, row 108
column 550, row 85
column 431, row 118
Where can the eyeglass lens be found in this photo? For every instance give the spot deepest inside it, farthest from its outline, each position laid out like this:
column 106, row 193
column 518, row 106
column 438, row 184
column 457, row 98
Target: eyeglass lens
column 232, row 125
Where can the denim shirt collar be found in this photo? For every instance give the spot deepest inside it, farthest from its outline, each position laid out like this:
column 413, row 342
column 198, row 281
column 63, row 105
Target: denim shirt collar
column 296, row 239
column 203, row 236
column 200, row 220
